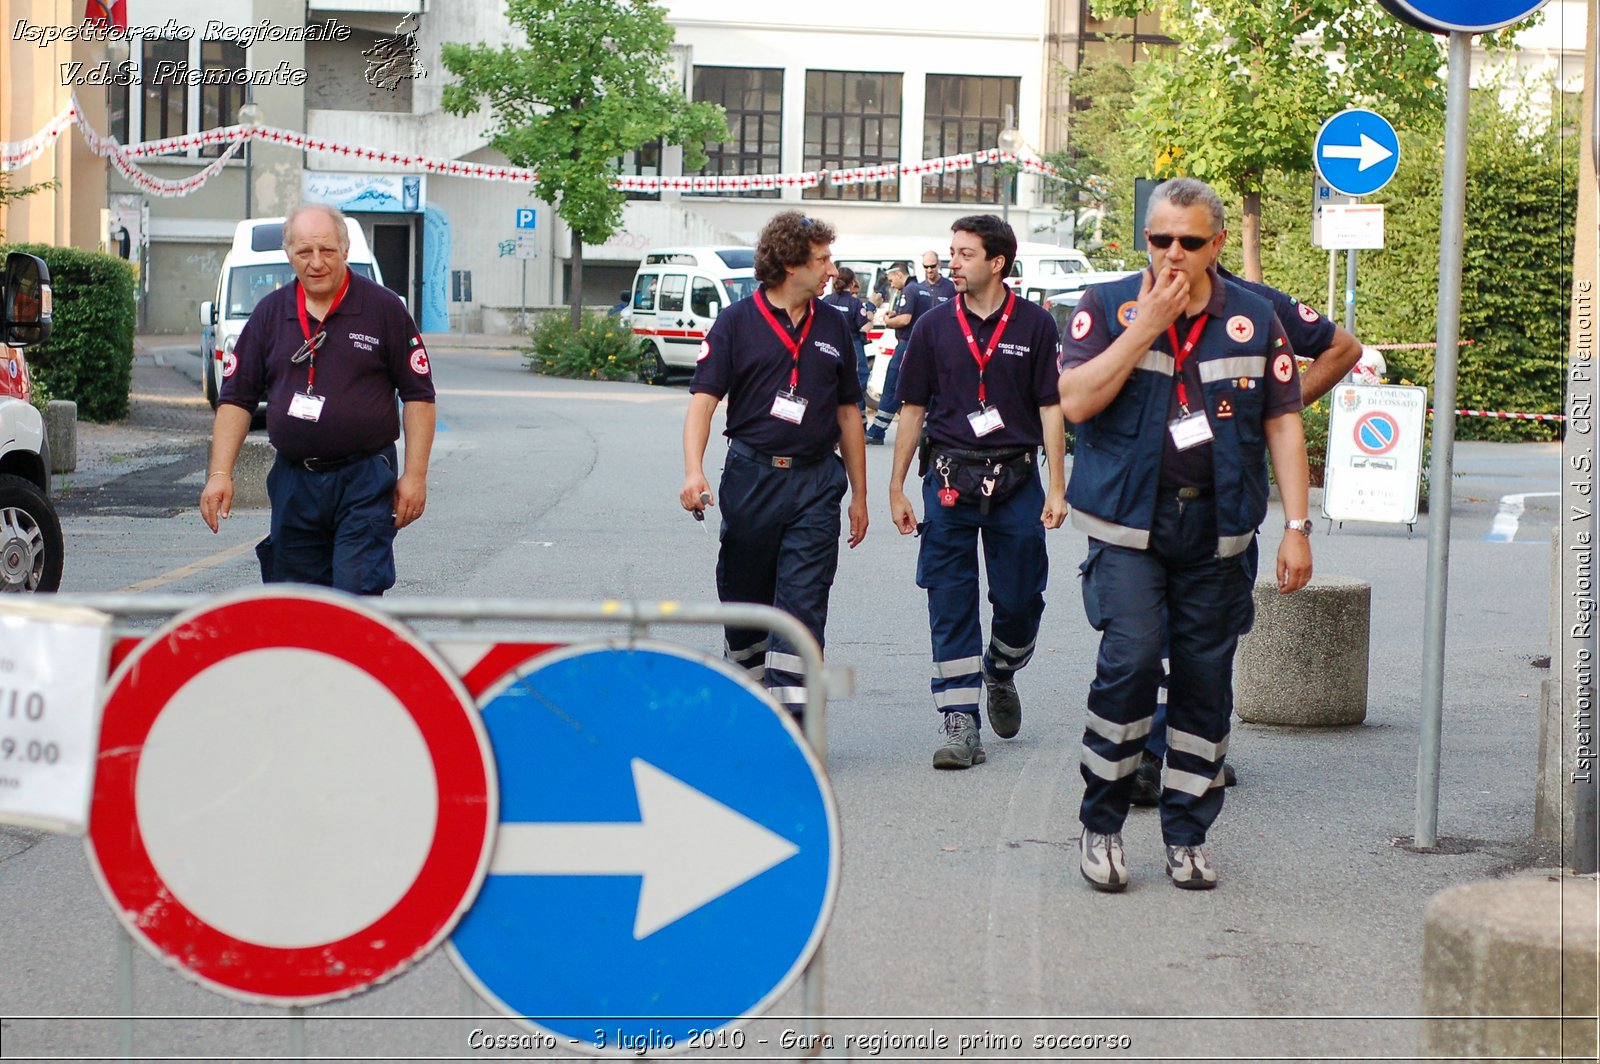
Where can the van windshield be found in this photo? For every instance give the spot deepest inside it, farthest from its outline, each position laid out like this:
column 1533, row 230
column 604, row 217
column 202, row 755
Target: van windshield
column 249, row 285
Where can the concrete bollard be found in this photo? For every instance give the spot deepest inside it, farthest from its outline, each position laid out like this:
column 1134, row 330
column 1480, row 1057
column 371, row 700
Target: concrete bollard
column 1509, row 967
column 250, row 473
column 61, row 430
column 1305, row 661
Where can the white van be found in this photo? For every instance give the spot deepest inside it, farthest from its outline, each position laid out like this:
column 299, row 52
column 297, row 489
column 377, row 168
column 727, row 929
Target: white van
column 1042, row 270
column 676, row 294
column 255, row 267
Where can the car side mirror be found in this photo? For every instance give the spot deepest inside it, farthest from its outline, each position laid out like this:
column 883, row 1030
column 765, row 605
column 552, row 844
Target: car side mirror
column 208, row 313
column 26, row 308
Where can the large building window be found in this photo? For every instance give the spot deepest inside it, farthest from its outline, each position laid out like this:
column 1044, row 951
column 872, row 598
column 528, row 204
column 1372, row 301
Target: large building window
column 852, row 119
column 219, row 104
column 753, row 100
column 166, row 93
column 645, row 161
column 1129, row 39
column 966, row 113
column 117, row 111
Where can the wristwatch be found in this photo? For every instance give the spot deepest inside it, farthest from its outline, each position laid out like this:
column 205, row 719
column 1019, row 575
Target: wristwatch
column 1294, row 525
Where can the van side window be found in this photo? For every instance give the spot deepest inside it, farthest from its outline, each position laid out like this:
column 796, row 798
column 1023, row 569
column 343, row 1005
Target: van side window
column 702, row 297
column 644, row 292
column 672, row 286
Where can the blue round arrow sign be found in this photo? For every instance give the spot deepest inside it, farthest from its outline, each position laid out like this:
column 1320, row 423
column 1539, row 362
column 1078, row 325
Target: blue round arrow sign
column 1461, row 16
column 1357, row 152
column 668, row 850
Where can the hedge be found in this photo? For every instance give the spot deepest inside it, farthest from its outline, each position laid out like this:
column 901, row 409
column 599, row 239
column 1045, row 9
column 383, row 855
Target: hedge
column 89, row 358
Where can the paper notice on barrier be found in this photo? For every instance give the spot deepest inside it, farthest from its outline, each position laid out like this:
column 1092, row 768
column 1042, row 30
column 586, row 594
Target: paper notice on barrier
column 52, row 667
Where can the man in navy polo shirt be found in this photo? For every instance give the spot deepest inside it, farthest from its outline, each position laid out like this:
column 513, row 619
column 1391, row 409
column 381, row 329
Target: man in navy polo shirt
column 984, row 363
column 330, row 353
column 935, row 288
column 786, row 364
column 902, row 318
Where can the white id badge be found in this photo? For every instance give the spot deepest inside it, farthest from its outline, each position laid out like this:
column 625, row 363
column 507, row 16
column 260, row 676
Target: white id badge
column 985, row 420
column 1190, row 430
column 789, row 407
column 305, row 406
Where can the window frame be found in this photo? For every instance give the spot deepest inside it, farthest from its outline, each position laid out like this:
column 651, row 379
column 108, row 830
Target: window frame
column 952, row 133
column 734, row 157
column 890, row 127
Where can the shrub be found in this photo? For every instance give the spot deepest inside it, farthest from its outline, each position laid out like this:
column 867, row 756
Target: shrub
column 602, row 348
column 89, row 357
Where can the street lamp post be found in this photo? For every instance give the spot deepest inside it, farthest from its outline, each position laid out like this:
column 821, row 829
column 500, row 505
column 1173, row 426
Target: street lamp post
column 1009, row 141
column 249, row 117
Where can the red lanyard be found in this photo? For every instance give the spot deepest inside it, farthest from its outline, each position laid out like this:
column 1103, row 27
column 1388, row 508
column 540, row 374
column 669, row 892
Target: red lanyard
column 305, row 323
column 982, row 357
column 790, row 344
column 1181, row 354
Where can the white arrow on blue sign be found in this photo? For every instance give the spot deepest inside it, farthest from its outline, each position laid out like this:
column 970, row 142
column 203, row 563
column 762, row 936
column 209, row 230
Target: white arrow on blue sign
column 1357, row 152
column 527, row 218
column 668, row 849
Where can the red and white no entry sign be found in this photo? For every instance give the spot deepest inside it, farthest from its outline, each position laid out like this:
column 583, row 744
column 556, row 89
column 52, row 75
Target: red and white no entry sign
column 294, row 799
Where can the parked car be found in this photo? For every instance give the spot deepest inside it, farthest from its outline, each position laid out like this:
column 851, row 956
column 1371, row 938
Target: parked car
column 256, row 266
column 31, row 550
column 677, row 293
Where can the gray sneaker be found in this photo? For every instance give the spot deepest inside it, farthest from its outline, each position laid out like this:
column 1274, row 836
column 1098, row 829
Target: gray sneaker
column 1101, row 860
column 1189, row 868
column 961, row 748
column 1005, row 708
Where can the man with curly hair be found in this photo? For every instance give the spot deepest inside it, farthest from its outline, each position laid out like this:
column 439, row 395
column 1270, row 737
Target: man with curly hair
column 787, row 366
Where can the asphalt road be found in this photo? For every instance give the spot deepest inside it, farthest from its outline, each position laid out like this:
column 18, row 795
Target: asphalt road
column 961, row 910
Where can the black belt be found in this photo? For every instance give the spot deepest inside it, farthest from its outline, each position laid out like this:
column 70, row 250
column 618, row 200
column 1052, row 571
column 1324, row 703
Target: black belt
column 328, row 465
column 776, row 461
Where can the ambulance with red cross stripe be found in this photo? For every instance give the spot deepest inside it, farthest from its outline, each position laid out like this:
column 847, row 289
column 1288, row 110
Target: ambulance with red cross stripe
column 677, row 294
column 31, row 550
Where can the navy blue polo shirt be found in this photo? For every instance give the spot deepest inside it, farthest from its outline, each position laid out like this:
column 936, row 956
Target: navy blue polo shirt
column 373, row 352
column 856, row 315
column 908, row 302
column 1020, row 377
column 744, row 361
column 1310, row 334
column 931, row 295
column 1191, row 468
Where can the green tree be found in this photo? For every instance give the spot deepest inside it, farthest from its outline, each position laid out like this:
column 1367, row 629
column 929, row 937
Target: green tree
column 1243, row 93
column 594, row 82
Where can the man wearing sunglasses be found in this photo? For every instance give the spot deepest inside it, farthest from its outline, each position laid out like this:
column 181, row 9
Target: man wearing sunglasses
column 330, row 353
column 1180, row 384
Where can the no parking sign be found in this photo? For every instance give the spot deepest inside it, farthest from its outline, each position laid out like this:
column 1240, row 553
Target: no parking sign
column 1374, row 461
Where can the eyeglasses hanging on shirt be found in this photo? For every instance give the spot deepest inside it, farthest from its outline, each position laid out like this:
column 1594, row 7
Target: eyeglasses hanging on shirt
column 307, row 405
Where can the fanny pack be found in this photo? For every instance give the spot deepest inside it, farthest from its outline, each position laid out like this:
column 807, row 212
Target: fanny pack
column 981, row 478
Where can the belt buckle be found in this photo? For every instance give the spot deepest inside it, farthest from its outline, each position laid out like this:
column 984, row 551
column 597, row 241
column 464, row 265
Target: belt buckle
column 1188, row 493
column 782, row 462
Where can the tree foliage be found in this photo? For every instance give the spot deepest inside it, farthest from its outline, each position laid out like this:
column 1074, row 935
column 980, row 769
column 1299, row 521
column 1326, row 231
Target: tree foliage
column 9, row 194
column 594, row 82
column 1242, row 95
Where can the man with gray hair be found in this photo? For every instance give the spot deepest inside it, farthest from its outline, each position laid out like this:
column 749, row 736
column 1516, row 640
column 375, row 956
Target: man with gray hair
column 329, row 354
column 1180, row 384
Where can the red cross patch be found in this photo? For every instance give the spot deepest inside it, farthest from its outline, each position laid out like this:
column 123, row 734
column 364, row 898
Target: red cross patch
column 1283, row 367
column 229, row 364
column 419, row 362
column 1081, row 323
column 1307, row 315
column 705, row 349
column 1240, row 328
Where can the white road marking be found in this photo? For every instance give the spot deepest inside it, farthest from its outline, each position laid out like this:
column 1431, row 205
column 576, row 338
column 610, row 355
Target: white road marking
column 1504, row 527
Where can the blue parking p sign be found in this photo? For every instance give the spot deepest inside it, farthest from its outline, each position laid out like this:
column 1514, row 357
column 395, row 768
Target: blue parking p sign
column 527, row 218
column 668, row 850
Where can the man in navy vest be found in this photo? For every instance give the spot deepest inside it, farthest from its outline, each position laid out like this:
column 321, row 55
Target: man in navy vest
column 787, row 366
column 1180, row 384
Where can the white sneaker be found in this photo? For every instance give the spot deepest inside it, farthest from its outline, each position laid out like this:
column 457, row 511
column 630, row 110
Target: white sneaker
column 1101, row 861
column 1190, row 868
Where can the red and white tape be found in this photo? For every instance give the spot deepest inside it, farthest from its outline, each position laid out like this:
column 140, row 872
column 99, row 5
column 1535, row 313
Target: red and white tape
column 1507, row 415
column 16, row 154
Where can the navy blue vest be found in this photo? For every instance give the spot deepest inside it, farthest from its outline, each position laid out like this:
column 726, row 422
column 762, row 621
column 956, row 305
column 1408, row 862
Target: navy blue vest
column 1116, row 465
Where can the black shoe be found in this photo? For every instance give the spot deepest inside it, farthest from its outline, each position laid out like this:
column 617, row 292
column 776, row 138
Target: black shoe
column 1228, row 778
column 875, row 440
column 1005, row 708
column 1147, row 781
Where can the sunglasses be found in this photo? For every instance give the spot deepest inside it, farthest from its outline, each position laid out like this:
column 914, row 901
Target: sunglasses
column 1163, row 241
column 305, row 350
column 930, row 265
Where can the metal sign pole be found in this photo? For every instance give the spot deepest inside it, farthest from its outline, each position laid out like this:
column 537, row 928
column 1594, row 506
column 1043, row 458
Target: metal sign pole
column 1350, row 291
column 1451, row 228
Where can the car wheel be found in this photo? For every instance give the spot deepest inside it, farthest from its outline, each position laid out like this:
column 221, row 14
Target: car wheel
column 30, row 538
column 652, row 370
